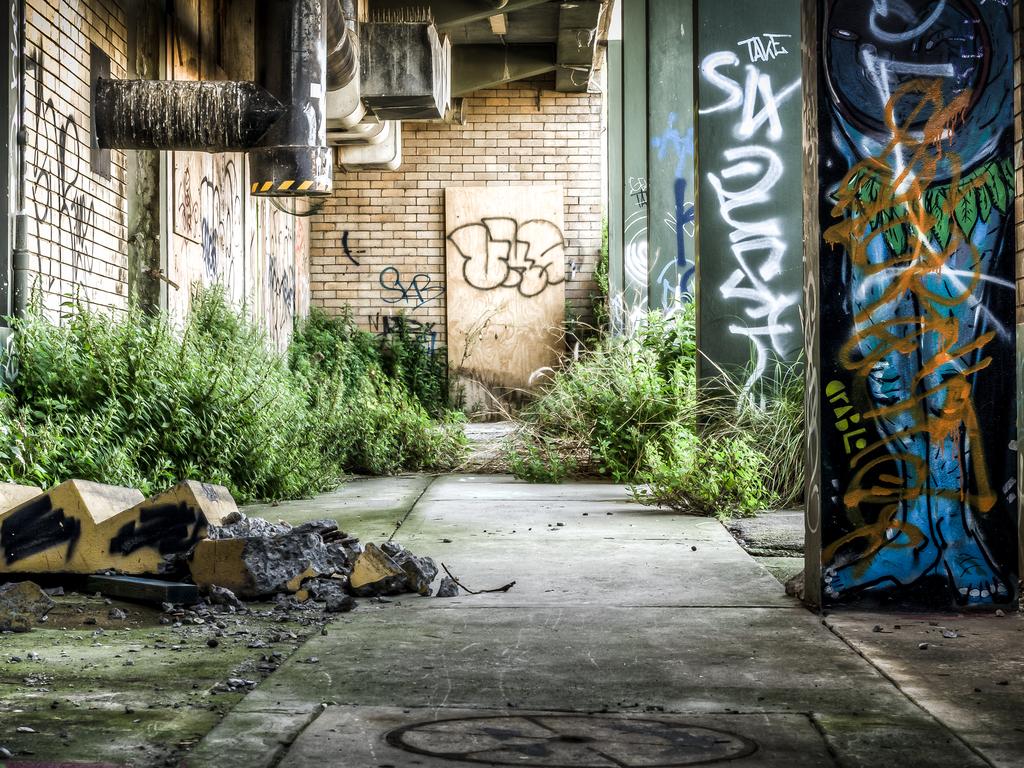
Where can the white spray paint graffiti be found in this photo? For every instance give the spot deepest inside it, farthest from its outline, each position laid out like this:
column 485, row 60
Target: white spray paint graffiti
column 743, row 186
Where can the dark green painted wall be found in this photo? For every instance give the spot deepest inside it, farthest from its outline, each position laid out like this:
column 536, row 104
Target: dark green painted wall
column 749, row 194
column 671, row 190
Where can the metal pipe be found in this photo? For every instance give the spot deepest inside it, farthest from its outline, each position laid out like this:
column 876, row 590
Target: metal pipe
column 209, row 116
column 20, row 267
column 342, row 44
column 293, row 158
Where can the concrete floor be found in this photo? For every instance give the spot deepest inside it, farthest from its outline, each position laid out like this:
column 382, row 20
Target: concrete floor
column 632, row 637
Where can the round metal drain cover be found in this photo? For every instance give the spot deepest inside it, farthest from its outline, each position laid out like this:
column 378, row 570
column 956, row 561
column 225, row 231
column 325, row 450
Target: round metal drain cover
column 570, row 741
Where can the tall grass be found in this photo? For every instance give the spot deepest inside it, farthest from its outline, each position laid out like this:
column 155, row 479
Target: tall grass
column 628, row 409
column 131, row 401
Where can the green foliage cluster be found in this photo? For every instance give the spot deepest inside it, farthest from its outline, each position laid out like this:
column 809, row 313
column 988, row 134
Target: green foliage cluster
column 132, row 401
column 627, row 409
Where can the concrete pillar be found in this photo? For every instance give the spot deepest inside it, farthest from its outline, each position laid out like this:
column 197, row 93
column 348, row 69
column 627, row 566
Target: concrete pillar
column 749, row 161
column 910, row 303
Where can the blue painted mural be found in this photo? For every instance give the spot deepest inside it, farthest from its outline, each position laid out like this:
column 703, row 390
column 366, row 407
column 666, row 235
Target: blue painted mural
column 918, row 421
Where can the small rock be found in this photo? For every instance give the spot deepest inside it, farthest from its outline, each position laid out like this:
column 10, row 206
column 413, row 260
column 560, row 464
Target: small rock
column 340, row 604
column 117, row 614
column 876, row 628
column 224, row 596
column 448, row 588
column 922, row 646
column 213, row 642
column 5, row 753
column 22, row 603
column 1000, row 613
column 24, row 729
column 949, row 634
column 1003, row 682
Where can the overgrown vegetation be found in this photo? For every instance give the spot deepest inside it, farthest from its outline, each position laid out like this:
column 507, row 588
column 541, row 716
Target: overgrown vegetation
column 133, row 402
column 628, row 409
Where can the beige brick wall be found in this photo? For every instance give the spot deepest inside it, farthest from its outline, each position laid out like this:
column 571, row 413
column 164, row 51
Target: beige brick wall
column 518, row 134
column 77, row 217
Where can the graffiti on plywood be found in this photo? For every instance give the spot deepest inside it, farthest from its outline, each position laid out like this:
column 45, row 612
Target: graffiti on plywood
column 917, row 282
column 505, row 287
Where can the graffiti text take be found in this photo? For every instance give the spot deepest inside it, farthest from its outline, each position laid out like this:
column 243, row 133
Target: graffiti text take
column 744, row 182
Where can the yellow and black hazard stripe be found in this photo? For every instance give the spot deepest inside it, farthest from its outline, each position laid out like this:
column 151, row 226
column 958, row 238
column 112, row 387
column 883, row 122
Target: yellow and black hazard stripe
column 291, row 186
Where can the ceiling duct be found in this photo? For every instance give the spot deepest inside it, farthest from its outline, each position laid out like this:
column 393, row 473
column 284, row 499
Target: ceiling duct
column 280, row 120
column 405, row 70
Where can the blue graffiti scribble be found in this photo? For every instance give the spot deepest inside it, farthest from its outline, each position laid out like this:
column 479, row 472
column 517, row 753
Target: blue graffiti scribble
column 682, row 146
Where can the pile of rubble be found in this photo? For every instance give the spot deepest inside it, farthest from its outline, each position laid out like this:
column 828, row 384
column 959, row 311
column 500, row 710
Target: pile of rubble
column 187, row 546
column 251, row 558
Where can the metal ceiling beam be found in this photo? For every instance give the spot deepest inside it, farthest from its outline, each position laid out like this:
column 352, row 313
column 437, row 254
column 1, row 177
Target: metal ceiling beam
column 577, row 41
column 483, row 66
column 452, row 13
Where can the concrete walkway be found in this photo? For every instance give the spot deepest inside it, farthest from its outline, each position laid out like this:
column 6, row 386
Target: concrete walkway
column 632, row 637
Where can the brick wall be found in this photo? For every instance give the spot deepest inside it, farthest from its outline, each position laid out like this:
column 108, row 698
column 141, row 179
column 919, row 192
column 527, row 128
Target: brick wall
column 379, row 245
column 76, row 227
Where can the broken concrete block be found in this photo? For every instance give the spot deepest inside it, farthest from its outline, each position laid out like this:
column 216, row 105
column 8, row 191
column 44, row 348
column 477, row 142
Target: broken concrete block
column 255, row 566
column 420, row 571
column 240, row 526
column 376, row 573
column 22, row 604
column 448, row 588
column 12, row 494
column 166, row 524
column 85, row 527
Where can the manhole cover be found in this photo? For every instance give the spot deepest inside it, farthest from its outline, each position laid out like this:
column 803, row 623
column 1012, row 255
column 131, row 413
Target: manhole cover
column 571, row 741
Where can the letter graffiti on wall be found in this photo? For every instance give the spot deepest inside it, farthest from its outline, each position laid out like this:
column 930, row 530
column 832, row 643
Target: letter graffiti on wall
column 750, row 169
column 64, row 211
column 209, row 211
column 411, row 292
column 916, row 282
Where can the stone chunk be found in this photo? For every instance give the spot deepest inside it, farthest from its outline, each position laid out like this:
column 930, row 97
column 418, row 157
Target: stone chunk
column 448, row 588
column 255, row 566
column 22, row 603
column 376, row 573
column 420, row 572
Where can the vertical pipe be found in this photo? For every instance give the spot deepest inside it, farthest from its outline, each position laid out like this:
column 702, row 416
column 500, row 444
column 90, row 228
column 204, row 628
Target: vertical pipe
column 293, row 157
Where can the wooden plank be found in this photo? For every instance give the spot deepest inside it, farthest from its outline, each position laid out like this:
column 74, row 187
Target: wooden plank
column 506, row 288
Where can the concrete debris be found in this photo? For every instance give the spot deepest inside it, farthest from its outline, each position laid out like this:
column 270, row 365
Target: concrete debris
column 224, row 596
column 448, row 588
column 260, row 566
column 420, row 572
column 375, row 573
column 22, row 604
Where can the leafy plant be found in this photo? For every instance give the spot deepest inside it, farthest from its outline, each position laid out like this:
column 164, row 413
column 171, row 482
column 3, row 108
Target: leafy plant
column 628, row 409
column 131, row 401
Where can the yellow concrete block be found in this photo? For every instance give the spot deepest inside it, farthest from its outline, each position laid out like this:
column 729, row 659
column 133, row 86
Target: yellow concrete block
column 12, row 494
column 55, row 532
column 219, row 562
column 373, row 567
column 84, row 527
column 170, row 522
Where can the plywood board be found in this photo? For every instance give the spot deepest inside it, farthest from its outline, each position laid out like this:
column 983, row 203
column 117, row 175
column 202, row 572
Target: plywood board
column 505, row 255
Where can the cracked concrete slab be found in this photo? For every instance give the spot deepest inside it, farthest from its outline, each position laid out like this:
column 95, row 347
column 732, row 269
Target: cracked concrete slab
column 968, row 677
column 370, row 736
column 615, row 614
